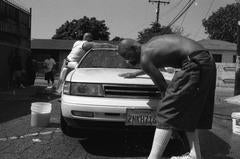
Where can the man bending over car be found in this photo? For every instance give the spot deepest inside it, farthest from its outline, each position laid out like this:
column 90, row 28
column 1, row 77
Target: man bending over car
column 188, row 100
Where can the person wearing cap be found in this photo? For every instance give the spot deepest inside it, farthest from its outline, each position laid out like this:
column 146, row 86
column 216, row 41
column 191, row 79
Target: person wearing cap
column 79, row 49
column 188, row 100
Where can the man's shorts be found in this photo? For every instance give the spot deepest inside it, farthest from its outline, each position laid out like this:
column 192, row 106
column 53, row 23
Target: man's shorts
column 188, row 102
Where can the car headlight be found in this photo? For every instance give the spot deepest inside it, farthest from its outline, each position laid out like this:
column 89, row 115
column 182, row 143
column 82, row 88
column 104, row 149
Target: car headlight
column 86, row 89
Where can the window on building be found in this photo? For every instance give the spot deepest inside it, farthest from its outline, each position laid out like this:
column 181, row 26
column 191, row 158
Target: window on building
column 217, row 57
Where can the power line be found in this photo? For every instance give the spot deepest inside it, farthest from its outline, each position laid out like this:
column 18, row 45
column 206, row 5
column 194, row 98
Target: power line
column 180, row 11
column 184, row 17
column 185, row 8
column 206, row 15
column 171, row 9
column 210, row 7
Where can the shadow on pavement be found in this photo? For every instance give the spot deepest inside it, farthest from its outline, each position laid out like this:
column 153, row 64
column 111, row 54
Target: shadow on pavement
column 134, row 145
column 111, row 145
column 14, row 109
column 53, row 125
column 14, row 106
column 213, row 147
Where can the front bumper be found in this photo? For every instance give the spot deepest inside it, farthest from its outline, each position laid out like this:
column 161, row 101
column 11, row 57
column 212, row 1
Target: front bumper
column 106, row 126
column 103, row 109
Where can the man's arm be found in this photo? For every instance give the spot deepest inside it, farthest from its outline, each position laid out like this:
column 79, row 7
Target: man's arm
column 89, row 45
column 137, row 73
column 155, row 75
column 132, row 74
column 71, row 65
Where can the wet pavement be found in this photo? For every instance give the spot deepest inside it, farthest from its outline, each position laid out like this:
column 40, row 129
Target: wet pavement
column 19, row 140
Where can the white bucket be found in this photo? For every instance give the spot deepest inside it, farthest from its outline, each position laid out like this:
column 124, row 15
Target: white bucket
column 236, row 122
column 40, row 114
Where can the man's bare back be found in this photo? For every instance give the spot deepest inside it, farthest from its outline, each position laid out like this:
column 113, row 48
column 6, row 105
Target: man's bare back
column 168, row 50
column 161, row 51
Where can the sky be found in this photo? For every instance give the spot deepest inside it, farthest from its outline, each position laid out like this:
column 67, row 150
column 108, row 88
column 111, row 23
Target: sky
column 124, row 18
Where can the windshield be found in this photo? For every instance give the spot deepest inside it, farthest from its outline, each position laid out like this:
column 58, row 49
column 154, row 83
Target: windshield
column 104, row 59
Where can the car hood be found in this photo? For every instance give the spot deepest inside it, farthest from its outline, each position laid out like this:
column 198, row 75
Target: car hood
column 110, row 76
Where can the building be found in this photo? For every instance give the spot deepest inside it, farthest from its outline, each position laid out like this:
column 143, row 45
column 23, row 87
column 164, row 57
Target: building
column 15, row 37
column 57, row 49
column 222, row 51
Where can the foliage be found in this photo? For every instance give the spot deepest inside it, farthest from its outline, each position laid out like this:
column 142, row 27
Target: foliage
column 116, row 39
column 75, row 29
column 155, row 30
column 179, row 30
column 222, row 24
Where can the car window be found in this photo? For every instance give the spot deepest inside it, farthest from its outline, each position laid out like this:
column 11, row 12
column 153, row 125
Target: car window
column 104, row 59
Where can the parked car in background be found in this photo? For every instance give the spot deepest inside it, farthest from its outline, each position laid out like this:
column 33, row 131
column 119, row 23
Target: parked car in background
column 95, row 98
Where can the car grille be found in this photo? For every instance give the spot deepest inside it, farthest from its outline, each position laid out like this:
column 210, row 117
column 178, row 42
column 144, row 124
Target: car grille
column 131, row 91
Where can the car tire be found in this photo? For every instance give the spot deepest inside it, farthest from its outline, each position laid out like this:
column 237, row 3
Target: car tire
column 67, row 130
column 70, row 131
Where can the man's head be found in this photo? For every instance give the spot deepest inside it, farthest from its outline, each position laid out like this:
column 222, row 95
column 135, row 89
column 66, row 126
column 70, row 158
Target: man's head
column 130, row 50
column 88, row 37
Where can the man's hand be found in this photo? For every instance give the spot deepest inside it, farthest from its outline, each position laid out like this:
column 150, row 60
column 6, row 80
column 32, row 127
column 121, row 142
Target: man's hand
column 132, row 74
column 72, row 65
column 128, row 75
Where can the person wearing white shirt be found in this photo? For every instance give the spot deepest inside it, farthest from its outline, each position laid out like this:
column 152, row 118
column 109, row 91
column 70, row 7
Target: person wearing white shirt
column 49, row 64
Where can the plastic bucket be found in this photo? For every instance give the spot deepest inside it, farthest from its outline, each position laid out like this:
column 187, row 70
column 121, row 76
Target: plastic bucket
column 236, row 122
column 40, row 114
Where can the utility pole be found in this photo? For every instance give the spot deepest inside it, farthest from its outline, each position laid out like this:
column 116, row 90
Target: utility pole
column 158, row 7
column 237, row 74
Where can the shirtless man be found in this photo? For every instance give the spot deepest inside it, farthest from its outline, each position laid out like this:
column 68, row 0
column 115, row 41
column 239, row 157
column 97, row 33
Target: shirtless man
column 188, row 99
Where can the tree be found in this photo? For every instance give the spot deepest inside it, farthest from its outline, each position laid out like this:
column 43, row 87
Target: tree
column 75, row 29
column 154, row 30
column 222, row 24
column 116, row 39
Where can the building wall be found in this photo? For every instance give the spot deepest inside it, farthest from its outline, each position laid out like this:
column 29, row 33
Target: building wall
column 227, row 55
column 15, row 30
column 225, row 75
column 4, row 69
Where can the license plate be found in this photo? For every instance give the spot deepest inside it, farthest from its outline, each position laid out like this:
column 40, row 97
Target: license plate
column 140, row 117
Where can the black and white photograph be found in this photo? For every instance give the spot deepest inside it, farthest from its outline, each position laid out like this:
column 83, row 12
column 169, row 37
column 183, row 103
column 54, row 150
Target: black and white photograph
column 119, row 79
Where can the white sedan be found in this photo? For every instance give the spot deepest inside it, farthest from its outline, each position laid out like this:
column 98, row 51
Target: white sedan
column 95, row 98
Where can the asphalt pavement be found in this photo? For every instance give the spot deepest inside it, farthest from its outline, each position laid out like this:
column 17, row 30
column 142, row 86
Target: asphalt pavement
column 217, row 143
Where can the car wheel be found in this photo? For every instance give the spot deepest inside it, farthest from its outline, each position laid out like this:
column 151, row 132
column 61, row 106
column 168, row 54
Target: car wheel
column 70, row 131
column 67, row 130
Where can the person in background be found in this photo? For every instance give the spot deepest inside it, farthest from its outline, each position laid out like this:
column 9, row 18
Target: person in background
column 188, row 100
column 49, row 64
column 79, row 49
